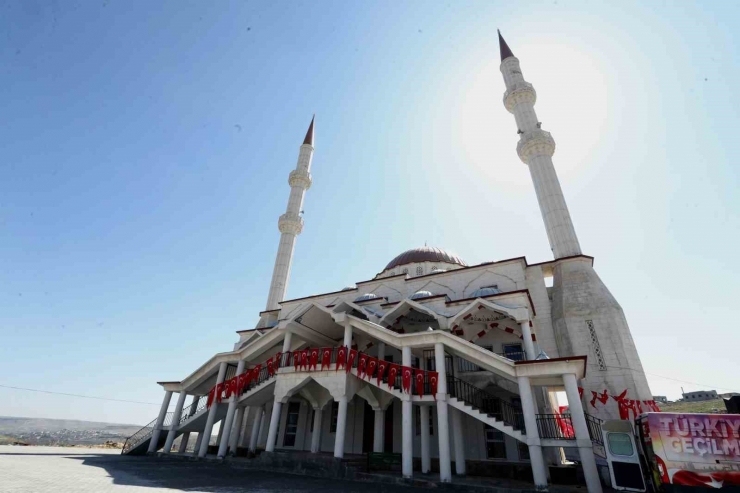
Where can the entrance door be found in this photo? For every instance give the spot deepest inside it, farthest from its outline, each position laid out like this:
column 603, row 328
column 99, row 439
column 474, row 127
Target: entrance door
column 291, row 424
column 388, row 439
column 368, row 426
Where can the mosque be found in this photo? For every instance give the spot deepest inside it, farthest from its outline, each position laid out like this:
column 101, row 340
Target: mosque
column 454, row 367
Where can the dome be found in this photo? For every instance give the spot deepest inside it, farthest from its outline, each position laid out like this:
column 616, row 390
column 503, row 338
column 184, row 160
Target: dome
column 348, row 288
column 485, row 291
column 425, row 254
column 366, row 296
column 421, row 294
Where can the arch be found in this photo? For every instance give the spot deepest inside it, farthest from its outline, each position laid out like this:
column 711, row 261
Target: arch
column 407, row 305
column 502, row 312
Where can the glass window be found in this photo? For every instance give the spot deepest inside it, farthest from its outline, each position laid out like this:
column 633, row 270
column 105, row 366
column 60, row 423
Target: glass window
column 620, row 444
column 513, row 352
column 291, row 424
column 334, row 414
column 419, row 270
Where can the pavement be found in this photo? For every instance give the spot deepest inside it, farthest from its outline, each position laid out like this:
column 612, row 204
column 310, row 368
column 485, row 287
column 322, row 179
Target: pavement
column 81, row 470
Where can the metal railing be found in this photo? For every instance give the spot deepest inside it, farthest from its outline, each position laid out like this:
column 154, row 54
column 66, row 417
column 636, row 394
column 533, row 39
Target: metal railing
column 464, row 365
column 486, row 403
column 144, row 433
column 560, row 427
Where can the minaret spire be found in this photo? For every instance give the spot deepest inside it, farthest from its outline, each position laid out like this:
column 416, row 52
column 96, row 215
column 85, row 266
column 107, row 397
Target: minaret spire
column 535, row 149
column 290, row 224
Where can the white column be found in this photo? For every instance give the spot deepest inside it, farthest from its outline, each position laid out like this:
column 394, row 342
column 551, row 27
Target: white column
column 381, row 351
column 220, row 431
column 256, row 429
column 208, row 429
column 244, row 442
column 229, row 420
column 316, row 435
column 379, row 431
column 527, row 338
column 407, row 440
column 175, row 422
column 184, row 442
column 583, row 438
column 160, row 420
column 539, row 472
column 426, row 461
column 445, row 470
column 235, row 429
column 287, row 341
column 348, row 335
column 277, row 406
column 457, row 438
column 197, row 443
column 341, row 422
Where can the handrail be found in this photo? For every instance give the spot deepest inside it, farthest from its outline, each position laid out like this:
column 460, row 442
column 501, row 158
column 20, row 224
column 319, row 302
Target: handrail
column 144, row 433
column 486, row 403
column 560, row 427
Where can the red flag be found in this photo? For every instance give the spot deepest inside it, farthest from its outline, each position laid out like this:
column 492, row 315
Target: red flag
column 242, row 382
column 219, row 390
column 433, row 381
column 256, row 373
column 304, row 359
column 227, row 389
column 325, row 357
column 392, row 372
column 277, row 360
column 296, row 360
column 564, row 423
column 406, row 379
column 351, row 359
column 604, row 397
column 372, row 364
column 382, row 365
column 313, row 359
column 361, row 364
column 270, row 368
column 580, row 392
column 419, row 379
column 211, row 396
column 341, row 357
column 639, row 407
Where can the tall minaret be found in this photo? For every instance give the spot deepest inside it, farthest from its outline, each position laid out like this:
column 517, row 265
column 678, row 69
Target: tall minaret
column 290, row 224
column 535, row 149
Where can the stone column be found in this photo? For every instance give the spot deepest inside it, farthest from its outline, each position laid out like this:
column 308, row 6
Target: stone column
column 244, row 442
column 445, row 470
column 287, row 341
column 381, row 351
column 527, row 338
column 348, row 334
column 539, row 472
column 229, row 420
column 184, row 442
column 256, row 429
column 236, row 429
column 407, row 440
column 220, row 435
column 316, row 434
column 160, row 420
column 341, row 422
column 208, row 429
column 583, row 438
column 458, row 440
column 277, row 406
column 175, row 422
column 379, row 430
column 197, row 443
column 426, row 461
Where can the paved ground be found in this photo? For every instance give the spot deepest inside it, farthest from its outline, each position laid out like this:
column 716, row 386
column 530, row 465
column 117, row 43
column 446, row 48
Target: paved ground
column 63, row 470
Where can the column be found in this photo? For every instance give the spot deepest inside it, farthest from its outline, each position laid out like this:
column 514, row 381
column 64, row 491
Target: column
column 256, row 429
column 459, row 442
column 407, row 437
column 244, row 442
column 208, row 429
column 235, row 429
column 445, row 471
column 184, row 442
column 583, row 438
column 426, row 461
column 287, row 341
column 381, row 351
column 198, row 441
column 160, row 420
column 533, row 436
column 277, row 406
column 379, row 430
column 175, row 422
column 316, row 434
column 348, row 334
column 229, row 420
column 527, row 338
column 341, row 421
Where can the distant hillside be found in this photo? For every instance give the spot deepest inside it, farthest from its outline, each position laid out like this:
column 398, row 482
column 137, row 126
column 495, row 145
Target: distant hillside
column 710, row 407
column 40, row 431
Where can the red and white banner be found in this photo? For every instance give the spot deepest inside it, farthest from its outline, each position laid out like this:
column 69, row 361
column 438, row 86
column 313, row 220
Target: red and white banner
column 382, row 367
column 297, row 360
column 325, row 357
column 351, row 359
column 313, row 359
column 270, row 367
column 433, row 382
column 419, row 380
column 406, row 379
column 341, row 357
column 361, row 365
column 304, row 359
column 393, row 370
column 372, row 365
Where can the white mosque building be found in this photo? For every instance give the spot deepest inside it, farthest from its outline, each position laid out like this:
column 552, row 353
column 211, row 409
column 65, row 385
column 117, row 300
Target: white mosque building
column 453, row 366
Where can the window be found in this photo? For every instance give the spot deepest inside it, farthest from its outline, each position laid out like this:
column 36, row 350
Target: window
column 405, row 271
column 523, row 450
column 291, row 424
column 417, row 421
column 513, row 352
column 419, row 270
column 495, row 446
column 620, row 444
column 434, row 268
column 334, row 414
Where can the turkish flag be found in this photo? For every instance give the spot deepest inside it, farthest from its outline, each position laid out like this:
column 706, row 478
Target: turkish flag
column 296, row 360
column 277, row 360
column 325, row 357
column 382, row 365
column 406, row 379
column 706, row 479
column 372, row 365
column 361, row 364
column 580, row 392
column 304, row 359
column 392, row 373
column 211, row 396
column 433, row 382
column 256, row 374
column 248, row 377
column 419, row 379
column 314, row 359
column 227, row 388
column 341, row 357
column 270, row 368
column 351, row 359
column 219, row 390
column 242, row 384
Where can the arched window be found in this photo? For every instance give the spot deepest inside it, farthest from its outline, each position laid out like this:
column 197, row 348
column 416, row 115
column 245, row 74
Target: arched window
column 419, row 270
column 434, row 268
column 405, row 271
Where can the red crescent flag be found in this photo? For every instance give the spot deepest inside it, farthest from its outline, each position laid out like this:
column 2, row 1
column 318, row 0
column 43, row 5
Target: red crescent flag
column 277, row 360
column 341, row 357
column 372, row 364
column 419, row 379
column 361, row 364
column 392, row 372
column 325, row 357
column 304, row 359
column 382, row 365
column 256, row 373
column 433, row 381
column 580, row 392
column 227, row 389
column 270, row 368
column 219, row 390
column 351, row 359
column 211, row 396
column 406, row 379
column 296, row 360
column 248, row 377
column 314, row 359
column 242, row 382
column 232, row 386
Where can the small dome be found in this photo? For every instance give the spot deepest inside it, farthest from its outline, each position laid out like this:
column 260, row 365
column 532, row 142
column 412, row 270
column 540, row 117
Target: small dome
column 421, row 294
column 425, row 254
column 367, row 296
column 348, row 288
column 485, row 291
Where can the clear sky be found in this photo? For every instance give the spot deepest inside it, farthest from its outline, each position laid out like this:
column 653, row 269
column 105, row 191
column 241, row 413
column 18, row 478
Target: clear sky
column 145, row 148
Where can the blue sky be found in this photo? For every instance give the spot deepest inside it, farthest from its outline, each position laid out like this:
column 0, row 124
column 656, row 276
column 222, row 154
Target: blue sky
column 145, row 149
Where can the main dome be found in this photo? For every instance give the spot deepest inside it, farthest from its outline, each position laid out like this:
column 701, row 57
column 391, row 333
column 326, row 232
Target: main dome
column 425, row 254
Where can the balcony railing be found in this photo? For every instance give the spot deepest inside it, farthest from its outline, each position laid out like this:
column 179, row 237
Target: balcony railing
column 560, row 427
column 486, row 403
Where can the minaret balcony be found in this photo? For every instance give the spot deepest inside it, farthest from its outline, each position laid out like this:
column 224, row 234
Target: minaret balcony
column 300, row 178
column 518, row 93
column 290, row 223
column 535, row 143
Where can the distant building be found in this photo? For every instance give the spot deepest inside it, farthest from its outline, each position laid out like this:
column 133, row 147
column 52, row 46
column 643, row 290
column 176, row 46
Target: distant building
column 700, row 395
column 660, row 398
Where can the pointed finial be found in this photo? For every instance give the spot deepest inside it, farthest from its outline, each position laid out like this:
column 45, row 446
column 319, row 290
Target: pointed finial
column 309, row 135
column 503, row 47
